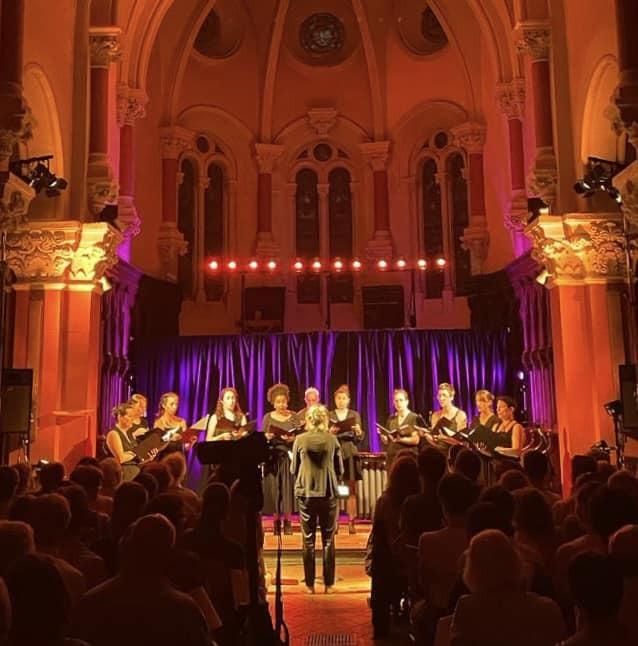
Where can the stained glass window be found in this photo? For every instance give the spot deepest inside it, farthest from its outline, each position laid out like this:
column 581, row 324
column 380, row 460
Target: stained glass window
column 214, row 229
column 460, row 220
column 322, row 33
column 432, row 226
column 186, row 213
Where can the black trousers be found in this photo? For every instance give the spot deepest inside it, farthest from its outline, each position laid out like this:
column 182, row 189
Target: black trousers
column 324, row 511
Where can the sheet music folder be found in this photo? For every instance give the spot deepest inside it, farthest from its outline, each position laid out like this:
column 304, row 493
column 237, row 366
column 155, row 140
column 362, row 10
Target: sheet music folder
column 151, row 441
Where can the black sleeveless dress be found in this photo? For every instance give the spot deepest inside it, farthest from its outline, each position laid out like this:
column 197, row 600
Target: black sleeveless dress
column 349, row 452
column 131, row 468
column 395, row 448
column 482, row 433
column 277, row 477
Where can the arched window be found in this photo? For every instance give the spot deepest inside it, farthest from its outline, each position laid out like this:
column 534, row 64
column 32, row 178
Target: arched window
column 213, row 228
column 307, row 216
column 186, row 213
column 433, row 243
column 341, row 287
column 460, row 219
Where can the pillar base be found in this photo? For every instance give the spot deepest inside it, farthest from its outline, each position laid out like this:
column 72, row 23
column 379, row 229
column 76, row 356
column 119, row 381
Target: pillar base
column 380, row 246
column 170, row 245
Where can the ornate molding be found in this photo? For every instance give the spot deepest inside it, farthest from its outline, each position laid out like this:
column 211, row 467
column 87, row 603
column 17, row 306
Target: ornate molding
column 131, row 105
column 104, row 45
column 101, row 191
column 518, row 214
column 476, row 239
column 470, row 136
column 376, row 153
column 511, row 98
column 15, row 197
column 170, row 246
column 266, row 156
column 534, row 39
column 64, row 251
column 128, row 220
column 580, row 248
column 627, row 183
column 175, row 140
column 322, row 120
column 542, row 180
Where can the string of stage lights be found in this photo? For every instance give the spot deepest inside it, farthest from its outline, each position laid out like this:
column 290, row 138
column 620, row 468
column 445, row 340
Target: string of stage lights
column 319, row 266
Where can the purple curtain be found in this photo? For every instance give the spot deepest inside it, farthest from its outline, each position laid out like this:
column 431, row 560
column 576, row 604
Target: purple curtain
column 372, row 363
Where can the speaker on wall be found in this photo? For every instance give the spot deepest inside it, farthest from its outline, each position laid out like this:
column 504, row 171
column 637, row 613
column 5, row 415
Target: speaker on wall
column 16, row 393
column 629, row 396
column 383, row 307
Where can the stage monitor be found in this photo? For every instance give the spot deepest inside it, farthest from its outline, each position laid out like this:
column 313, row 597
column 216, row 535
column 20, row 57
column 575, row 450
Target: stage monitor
column 629, row 396
column 15, row 410
column 383, row 307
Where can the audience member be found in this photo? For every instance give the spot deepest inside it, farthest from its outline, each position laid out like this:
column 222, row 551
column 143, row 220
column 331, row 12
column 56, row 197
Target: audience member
column 50, row 477
column 149, row 482
column 626, row 482
column 25, row 476
column 5, row 612
column 139, row 605
column 20, row 507
column 88, row 461
column 513, row 479
column 504, row 502
column 111, row 476
column 468, row 464
column 596, row 586
column 536, row 466
column 623, row 549
column 16, row 540
column 160, row 472
column 498, row 609
column 175, row 462
column 9, row 480
column 90, row 479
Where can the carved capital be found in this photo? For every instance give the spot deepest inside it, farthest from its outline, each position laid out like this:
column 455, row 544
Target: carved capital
column 128, row 220
column 170, row 246
column 63, row 251
column 580, row 248
column 322, row 120
column 476, row 239
column 376, row 153
column 534, row 39
column 518, row 214
column 511, row 98
column 542, row 180
column 104, row 45
column 175, row 140
column 626, row 100
column 15, row 198
column 131, row 105
column 470, row 136
column 102, row 190
column 627, row 183
column 266, row 156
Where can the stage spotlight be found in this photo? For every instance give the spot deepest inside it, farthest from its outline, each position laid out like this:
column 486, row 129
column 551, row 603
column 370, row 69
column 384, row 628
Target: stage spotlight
column 36, row 173
column 422, row 264
column 231, row 265
column 583, row 187
column 520, row 375
column 615, row 195
column 382, row 264
column 401, row 263
column 213, row 265
column 316, row 265
column 272, row 265
column 298, row 266
column 614, row 408
column 440, row 262
column 253, row 265
column 337, row 264
column 356, row 265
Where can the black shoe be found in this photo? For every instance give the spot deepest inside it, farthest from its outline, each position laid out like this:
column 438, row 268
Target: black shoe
column 287, row 528
column 351, row 527
column 276, row 530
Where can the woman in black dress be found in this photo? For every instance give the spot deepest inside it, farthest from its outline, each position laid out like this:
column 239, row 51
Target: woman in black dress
column 169, row 423
column 139, row 405
column 480, row 430
column 403, row 422
column 346, row 425
column 278, row 482
column 448, row 416
column 509, row 434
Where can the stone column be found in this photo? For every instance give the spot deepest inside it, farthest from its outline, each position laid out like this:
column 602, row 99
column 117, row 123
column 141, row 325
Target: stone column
column 170, row 240
column 376, row 154
column 476, row 238
column 535, row 41
column 448, row 248
column 131, row 105
column 323, row 191
column 60, row 268
column 104, row 44
column 627, row 91
column 584, row 255
column 266, row 156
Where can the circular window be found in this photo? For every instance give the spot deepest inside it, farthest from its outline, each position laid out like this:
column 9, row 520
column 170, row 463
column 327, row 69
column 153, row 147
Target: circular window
column 209, row 35
column 322, row 152
column 432, row 30
column 440, row 140
column 202, row 144
column 220, row 34
column 322, row 33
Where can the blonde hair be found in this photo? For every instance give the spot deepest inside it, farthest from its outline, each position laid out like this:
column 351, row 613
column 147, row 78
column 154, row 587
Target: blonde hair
column 484, row 394
column 161, row 407
column 317, row 419
column 448, row 387
column 137, row 397
column 400, row 391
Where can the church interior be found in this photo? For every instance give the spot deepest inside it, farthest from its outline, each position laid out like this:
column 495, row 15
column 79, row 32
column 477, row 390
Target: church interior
column 207, row 195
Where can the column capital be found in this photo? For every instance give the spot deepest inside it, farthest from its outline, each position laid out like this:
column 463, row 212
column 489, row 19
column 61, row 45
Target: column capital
column 322, row 120
column 579, row 248
column 476, row 239
column 470, row 136
column 511, row 98
column 170, row 246
column 104, row 45
column 131, row 105
column 15, row 197
column 627, row 183
column 517, row 215
column 69, row 252
column 376, row 153
column 323, row 189
column 175, row 140
column 266, row 156
column 534, row 38
column 542, row 180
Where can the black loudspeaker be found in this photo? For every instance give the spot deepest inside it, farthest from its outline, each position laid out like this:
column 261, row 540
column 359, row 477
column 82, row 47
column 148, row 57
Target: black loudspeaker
column 383, row 307
column 629, row 396
column 15, row 408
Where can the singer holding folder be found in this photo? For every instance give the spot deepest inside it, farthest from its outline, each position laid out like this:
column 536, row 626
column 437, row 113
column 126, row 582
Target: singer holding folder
column 403, row 434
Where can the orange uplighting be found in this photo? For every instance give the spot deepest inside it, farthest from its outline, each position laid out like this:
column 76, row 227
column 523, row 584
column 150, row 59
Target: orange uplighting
column 213, row 265
column 356, row 265
column 337, row 264
column 316, row 265
column 272, row 265
column 401, row 263
column 440, row 262
column 298, row 265
column 422, row 264
column 382, row 264
column 253, row 265
column 231, row 265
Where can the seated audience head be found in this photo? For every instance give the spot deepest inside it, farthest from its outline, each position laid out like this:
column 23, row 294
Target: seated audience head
column 39, row 601
column 486, row 515
column 24, row 475
column 625, row 481
column 89, row 478
column 5, row 612
column 149, row 482
column 503, row 500
column 160, row 472
column 176, row 464
column 403, row 479
column 532, row 514
column 16, row 540
column 20, row 507
column 78, row 506
column 513, row 479
column 623, row 548
column 147, row 546
column 611, row 509
column 604, row 470
column 128, row 505
column 582, row 464
column 536, row 467
column 87, row 461
column 596, row 586
column 431, row 464
column 51, row 476
column 215, row 504
column 9, row 481
column 170, row 505
column 582, row 501
column 456, row 495
column 111, row 474
column 468, row 464
column 49, row 516
column 492, row 563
